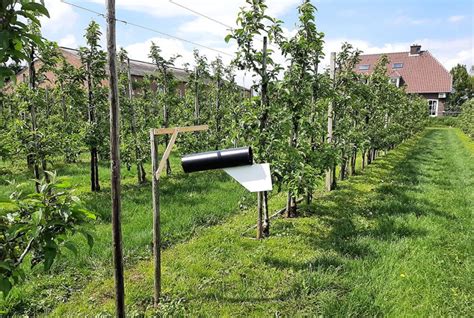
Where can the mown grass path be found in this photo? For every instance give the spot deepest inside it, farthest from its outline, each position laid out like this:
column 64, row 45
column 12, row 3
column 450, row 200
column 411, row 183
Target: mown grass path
column 394, row 241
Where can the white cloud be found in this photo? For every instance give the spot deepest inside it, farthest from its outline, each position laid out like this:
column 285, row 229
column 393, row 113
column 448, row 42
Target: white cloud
column 212, row 8
column 68, row 41
column 407, row 20
column 456, row 18
column 62, row 17
column 170, row 47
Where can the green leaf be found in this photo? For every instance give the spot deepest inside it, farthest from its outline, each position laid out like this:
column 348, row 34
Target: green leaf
column 71, row 246
column 5, row 285
column 36, row 7
column 50, row 253
column 37, row 216
column 89, row 238
column 88, row 214
column 5, row 265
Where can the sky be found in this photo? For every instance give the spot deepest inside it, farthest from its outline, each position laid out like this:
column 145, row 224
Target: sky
column 443, row 27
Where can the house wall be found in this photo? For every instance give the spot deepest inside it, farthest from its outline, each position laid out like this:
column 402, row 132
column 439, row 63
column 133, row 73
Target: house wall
column 441, row 102
column 22, row 76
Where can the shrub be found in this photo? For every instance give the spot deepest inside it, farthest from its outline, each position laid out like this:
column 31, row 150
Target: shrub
column 466, row 119
column 38, row 225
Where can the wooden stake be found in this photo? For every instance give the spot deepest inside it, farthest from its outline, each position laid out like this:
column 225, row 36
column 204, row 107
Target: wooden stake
column 329, row 172
column 115, row 162
column 156, row 218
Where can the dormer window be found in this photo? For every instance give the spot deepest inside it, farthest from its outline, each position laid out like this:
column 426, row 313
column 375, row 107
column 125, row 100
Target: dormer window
column 397, row 65
column 364, row 67
column 395, row 81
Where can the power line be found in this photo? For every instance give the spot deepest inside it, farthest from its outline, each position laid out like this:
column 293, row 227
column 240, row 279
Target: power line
column 148, row 29
column 201, row 14
column 258, row 38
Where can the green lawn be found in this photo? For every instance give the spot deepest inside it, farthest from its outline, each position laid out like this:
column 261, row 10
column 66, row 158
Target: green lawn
column 394, row 241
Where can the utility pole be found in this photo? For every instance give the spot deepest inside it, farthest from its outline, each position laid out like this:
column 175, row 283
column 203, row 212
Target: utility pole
column 332, row 74
column 115, row 161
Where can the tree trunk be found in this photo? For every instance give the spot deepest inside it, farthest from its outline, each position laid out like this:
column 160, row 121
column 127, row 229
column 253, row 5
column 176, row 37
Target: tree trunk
column 32, row 84
column 353, row 161
column 288, row 205
column 363, row 159
column 196, row 97
column 342, row 171
column 266, row 217
column 314, row 98
column 92, row 120
column 291, row 212
column 166, row 122
column 264, row 118
column 141, row 175
column 218, row 115
column 260, row 215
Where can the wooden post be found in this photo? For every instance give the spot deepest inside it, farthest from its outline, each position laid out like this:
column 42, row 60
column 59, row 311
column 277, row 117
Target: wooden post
column 115, row 161
column 157, row 167
column 156, row 219
column 329, row 172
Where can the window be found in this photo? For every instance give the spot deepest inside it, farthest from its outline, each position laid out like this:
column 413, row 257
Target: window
column 364, row 67
column 394, row 81
column 397, row 65
column 433, row 107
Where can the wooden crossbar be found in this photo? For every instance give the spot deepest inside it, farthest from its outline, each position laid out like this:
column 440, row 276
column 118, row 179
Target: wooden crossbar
column 167, row 153
column 171, row 130
column 174, row 131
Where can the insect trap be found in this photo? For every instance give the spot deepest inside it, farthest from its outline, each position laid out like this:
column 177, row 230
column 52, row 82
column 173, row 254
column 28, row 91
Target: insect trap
column 236, row 162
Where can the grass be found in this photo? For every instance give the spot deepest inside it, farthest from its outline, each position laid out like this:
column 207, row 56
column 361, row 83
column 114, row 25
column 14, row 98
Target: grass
column 188, row 204
column 394, row 241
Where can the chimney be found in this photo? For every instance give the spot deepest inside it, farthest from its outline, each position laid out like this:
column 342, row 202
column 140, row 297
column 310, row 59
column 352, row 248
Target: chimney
column 415, row 49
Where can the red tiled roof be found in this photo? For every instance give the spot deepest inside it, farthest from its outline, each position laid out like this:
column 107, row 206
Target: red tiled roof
column 421, row 73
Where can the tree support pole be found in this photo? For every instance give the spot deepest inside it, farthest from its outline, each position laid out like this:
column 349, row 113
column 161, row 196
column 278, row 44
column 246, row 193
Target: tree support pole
column 115, row 162
column 156, row 219
column 330, row 172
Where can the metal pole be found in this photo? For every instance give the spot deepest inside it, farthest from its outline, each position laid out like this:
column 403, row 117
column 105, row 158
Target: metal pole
column 115, row 161
column 156, row 218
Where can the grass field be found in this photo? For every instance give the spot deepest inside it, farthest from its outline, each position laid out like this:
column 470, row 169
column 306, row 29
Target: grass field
column 394, row 241
column 189, row 203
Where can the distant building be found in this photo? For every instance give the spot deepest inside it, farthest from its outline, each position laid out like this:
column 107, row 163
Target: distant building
column 138, row 70
column 419, row 71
